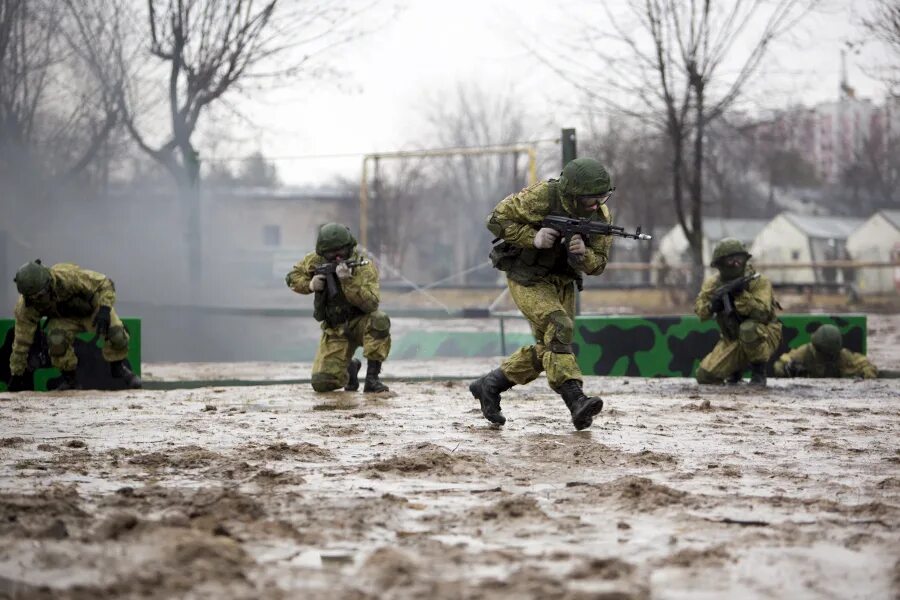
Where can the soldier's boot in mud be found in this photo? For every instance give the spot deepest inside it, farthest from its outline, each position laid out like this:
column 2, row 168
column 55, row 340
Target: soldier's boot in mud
column 353, row 375
column 758, row 374
column 118, row 370
column 487, row 390
column 373, row 384
column 69, row 382
column 583, row 408
column 735, row 378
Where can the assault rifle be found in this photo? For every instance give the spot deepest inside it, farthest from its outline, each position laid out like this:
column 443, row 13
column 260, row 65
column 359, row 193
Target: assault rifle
column 724, row 292
column 569, row 226
column 329, row 271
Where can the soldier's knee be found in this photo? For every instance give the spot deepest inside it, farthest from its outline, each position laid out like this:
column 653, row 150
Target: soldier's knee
column 324, row 382
column 117, row 338
column 706, row 377
column 561, row 329
column 57, row 343
column 379, row 324
column 750, row 333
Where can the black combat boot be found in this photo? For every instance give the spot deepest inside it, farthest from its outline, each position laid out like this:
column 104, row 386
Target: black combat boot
column 487, row 390
column 353, row 375
column 119, row 371
column 373, row 384
column 758, row 374
column 735, row 378
column 583, row 408
column 69, row 382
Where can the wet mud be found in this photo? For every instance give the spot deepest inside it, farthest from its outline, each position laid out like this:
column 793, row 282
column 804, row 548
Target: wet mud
column 276, row 492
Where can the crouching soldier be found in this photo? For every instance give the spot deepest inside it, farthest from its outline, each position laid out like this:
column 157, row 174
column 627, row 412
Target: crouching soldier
column 743, row 305
column 825, row 356
column 345, row 285
column 74, row 300
column 542, row 273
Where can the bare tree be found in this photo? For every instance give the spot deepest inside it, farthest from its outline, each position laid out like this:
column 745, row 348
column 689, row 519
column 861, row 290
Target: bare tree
column 676, row 65
column 884, row 26
column 210, row 50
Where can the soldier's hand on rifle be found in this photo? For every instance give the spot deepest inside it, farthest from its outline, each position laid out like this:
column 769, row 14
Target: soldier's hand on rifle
column 717, row 304
column 343, row 271
column 577, row 246
column 545, row 238
column 102, row 321
column 317, row 283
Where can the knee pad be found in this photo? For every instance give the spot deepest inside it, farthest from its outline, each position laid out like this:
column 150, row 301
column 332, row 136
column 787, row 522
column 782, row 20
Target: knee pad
column 704, row 376
column 379, row 324
column 561, row 331
column 57, row 343
column 118, row 338
column 749, row 333
column 323, row 382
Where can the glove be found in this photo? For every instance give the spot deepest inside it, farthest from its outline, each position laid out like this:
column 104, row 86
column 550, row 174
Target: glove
column 343, row 271
column 102, row 320
column 317, row 283
column 794, row 369
column 18, row 383
column 545, row 238
column 717, row 305
column 577, row 246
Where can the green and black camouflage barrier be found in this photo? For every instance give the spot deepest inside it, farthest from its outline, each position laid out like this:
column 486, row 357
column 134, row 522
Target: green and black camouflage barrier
column 673, row 346
column 93, row 370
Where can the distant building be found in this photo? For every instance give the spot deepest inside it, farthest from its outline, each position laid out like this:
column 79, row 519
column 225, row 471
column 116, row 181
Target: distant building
column 876, row 240
column 791, row 238
column 676, row 250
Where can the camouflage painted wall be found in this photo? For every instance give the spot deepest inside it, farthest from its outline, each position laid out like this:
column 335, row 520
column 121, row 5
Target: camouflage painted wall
column 674, row 346
column 93, row 371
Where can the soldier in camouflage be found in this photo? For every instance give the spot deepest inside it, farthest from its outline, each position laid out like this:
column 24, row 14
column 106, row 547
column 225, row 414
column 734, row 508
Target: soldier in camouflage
column 74, row 300
column 542, row 274
column 825, row 356
column 750, row 334
column 350, row 318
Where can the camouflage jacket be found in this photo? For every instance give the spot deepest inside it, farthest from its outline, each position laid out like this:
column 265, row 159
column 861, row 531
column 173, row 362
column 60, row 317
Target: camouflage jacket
column 516, row 220
column 75, row 293
column 358, row 295
column 848, row 364
column 756, row 302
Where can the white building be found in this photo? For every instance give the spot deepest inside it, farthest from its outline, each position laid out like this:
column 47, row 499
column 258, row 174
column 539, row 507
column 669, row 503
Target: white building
column 676, row 250
column 791, row 238
column 876, row 240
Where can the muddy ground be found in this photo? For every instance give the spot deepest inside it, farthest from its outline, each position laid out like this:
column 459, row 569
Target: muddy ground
column 276, row 492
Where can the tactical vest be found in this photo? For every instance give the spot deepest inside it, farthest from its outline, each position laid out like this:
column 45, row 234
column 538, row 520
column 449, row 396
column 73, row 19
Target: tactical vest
column 75, row 306
column 820, row 366
column 334, row 311
column 530, row 265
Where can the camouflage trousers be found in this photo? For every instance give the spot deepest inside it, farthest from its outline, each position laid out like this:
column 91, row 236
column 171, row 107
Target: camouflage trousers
column 61, row 334
column 549, row 306
column 338, row 344
column 756, row 343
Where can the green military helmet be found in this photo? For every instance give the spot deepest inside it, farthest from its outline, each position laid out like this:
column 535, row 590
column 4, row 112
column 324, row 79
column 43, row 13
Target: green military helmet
column 827, row 339
column 728, row 247
column 334, row 236
column 32, row 278
column 584, row 177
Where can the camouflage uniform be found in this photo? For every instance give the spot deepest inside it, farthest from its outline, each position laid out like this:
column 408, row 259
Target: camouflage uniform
column 349, row 320
column 74, row 299
column 824, row 357
column 542, row 283
column 749, row 337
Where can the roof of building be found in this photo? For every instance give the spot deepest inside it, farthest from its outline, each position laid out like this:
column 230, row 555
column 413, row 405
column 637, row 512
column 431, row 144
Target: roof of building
column 892, row 217
column 745, row 230
column 824, row 227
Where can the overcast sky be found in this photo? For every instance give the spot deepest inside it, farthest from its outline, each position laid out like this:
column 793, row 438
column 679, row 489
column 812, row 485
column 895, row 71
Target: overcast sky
column 432, row 45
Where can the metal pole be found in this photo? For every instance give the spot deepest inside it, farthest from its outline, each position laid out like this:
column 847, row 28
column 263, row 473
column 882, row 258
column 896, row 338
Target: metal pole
column 364, row 204
column 502, row 336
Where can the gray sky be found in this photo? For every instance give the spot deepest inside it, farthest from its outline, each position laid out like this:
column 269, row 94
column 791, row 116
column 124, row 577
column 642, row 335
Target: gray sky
column 432, row 45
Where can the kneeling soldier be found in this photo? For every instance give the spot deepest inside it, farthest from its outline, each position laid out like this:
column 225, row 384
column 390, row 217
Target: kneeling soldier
column 345, row 285
column 825, row 356
column 74, row 300
column 743, row 305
